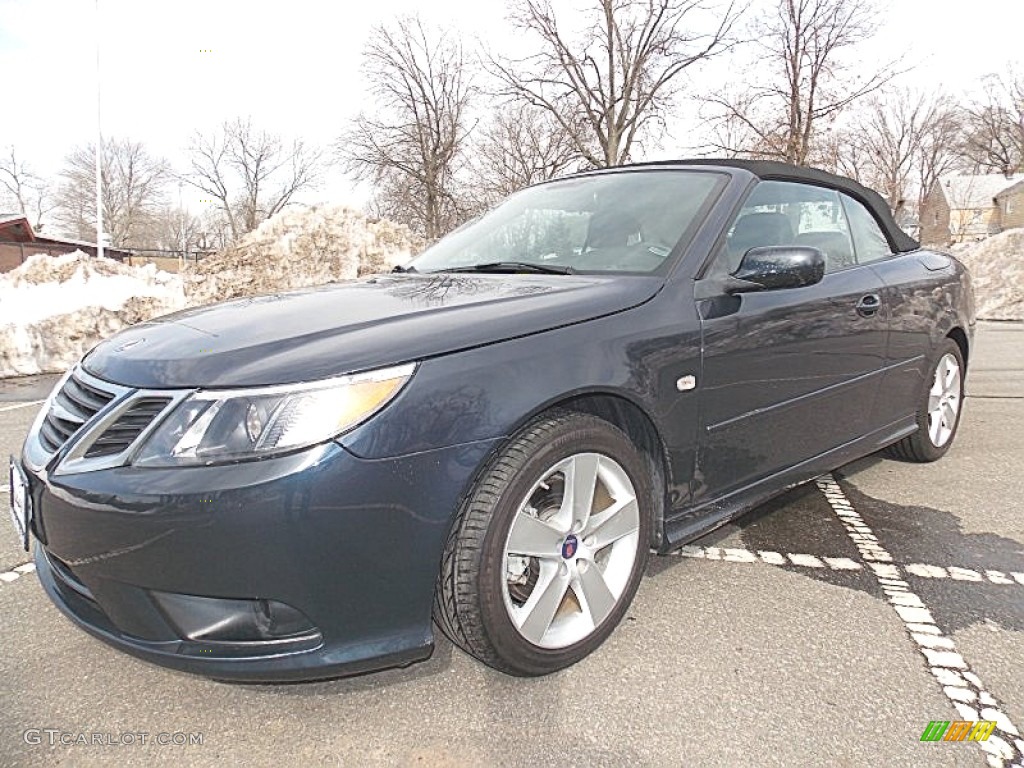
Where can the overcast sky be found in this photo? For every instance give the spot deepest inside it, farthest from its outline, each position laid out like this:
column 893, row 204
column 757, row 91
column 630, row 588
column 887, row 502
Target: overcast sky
column 294, row 66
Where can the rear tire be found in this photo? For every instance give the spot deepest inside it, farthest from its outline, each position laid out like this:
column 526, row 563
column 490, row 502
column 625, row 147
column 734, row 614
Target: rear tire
column 938, row 414
column 548, row 549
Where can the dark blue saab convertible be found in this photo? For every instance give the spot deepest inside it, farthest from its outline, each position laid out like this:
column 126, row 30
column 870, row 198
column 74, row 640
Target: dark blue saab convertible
column 494, row 437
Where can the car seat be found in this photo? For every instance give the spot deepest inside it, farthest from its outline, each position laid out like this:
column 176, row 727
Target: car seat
column 755, row 230
column 834, row 244
column 612, row 229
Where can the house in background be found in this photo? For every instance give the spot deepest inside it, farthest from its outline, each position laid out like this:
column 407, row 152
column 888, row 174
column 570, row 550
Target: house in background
column 1010, row 207
column 906, row 220
column 18, row 242
column 962, row 207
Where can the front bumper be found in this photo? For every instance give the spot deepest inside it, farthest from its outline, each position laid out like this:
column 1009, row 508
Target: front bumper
column 353, row 546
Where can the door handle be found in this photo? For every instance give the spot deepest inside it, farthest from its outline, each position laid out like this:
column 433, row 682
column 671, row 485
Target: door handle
column 869, row 304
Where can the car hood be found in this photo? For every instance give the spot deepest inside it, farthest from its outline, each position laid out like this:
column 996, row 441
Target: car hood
column 344, row 328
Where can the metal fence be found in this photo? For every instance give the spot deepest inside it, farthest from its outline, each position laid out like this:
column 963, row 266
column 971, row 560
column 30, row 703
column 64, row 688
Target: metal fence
column 167, row 260
column 192, row 255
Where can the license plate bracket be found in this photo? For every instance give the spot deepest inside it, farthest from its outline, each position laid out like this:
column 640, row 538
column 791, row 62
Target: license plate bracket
column 20, row 502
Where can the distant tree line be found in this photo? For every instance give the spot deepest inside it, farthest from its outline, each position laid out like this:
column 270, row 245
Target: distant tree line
column 246, row 175
column 449, row 133
column 451, row 130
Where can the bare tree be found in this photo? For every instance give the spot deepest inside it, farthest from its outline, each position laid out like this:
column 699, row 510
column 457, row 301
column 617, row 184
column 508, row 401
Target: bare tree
column 134, row 184
column 906, row 139
column 610, row 85
column 994, row 139
column 939, row 152
column 412, row 147
column 734, row 133
column 839, row 151
column 402, row 199
column 250, row 173
column 520, row 146
column 806, row 81
column 170, row 228
column 889, row 135
column 25, row 190
column 900, row 144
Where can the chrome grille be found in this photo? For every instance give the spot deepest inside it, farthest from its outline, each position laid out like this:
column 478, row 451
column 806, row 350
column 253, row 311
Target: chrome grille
column 94, row 423
column 128, row 426
column 75, row 404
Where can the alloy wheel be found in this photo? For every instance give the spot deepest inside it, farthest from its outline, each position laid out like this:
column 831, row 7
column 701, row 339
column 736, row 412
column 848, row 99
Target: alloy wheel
column 944, row 400
column 570, row 550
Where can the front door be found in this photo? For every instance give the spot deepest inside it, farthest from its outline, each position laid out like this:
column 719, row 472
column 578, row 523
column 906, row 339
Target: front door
column 787, row 374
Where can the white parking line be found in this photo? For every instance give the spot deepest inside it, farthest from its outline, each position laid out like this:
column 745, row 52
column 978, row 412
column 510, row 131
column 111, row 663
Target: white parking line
column 17, row 572
column 734, row 555
column 961, row 686
column 964, row 574
column 20, row 405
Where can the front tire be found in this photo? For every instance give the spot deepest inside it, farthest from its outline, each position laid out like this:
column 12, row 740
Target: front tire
column 938, row 415
column 548, row 549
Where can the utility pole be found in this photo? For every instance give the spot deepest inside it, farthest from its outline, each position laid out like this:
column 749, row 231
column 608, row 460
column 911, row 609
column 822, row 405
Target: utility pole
column 99, row 144
column 182, row 224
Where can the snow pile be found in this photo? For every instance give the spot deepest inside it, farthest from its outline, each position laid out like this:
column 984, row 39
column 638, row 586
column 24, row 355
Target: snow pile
column 299, row 248
column 997, row 269
column 54, row 309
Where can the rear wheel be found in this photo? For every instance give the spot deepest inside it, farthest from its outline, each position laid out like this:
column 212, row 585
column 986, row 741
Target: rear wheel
column 938, row 414
column 549, row 548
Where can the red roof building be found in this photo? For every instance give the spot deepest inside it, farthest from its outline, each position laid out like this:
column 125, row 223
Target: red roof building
column 18, row 242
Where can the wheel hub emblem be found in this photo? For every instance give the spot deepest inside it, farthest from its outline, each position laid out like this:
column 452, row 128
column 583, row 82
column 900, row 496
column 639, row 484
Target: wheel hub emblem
column 569, row 546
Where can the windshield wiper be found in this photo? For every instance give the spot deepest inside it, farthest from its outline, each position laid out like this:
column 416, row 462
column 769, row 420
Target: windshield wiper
column 512, row 266
column 400, row 268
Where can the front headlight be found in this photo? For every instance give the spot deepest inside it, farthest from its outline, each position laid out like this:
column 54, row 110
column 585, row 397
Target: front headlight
column 233, row 425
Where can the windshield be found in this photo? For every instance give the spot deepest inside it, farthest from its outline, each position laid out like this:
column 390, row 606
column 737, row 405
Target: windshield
column 616, row 222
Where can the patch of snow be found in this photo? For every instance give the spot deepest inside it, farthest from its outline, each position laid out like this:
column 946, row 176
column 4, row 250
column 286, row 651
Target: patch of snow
column 299, row 248
column 996, row 265
column 54, row 309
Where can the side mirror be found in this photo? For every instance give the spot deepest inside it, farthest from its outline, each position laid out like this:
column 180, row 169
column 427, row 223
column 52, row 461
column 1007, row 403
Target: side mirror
column 778, row 266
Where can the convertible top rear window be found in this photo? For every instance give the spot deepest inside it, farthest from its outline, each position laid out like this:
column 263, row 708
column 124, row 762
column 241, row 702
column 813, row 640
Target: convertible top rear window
column 616, row 222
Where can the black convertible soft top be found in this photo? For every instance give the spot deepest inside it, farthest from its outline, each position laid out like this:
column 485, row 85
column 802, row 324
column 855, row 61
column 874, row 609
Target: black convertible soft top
column 775, row 171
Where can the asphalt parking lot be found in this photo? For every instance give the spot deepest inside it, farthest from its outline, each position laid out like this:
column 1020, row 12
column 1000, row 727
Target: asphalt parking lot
column 826, row 628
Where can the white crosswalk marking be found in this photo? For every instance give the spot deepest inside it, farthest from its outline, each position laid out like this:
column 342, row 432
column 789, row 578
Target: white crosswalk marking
column 878, row 564
column 16, row 572
column 961, row 686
